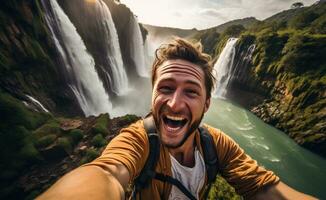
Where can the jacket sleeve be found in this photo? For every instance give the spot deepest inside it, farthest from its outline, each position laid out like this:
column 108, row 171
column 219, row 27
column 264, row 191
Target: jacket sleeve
column 129, row 148
column 238, row 168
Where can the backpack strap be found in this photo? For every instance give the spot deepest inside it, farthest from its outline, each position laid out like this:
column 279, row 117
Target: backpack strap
column 210, row 155
column 148, row 171
column 175, row 182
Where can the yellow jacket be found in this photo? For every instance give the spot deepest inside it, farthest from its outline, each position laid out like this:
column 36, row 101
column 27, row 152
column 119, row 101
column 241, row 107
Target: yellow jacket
column 131, row 148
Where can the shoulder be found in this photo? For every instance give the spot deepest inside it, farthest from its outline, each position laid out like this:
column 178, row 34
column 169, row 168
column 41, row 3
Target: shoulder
column 137, row 126
column 130, row 148
column 225, row 146
column 134, row 131
column 217, row 134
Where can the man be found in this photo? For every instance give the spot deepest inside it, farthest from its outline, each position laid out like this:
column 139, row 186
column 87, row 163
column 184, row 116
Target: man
column 182, row 82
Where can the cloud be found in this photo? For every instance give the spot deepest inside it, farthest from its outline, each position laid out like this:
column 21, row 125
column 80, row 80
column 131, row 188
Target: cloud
column 204, row 13
column 210, row 12
column 177, row 14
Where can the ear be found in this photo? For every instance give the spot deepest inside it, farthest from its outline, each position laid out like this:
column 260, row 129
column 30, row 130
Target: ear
column 207, row 104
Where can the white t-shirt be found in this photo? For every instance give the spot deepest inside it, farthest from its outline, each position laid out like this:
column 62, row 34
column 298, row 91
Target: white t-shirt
column 192, row 178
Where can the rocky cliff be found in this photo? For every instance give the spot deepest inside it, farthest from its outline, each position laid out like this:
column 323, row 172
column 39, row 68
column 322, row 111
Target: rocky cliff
column 35, row 96
column 27, row 61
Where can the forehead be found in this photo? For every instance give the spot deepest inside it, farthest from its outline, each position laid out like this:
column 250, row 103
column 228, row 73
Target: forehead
column 181, row 68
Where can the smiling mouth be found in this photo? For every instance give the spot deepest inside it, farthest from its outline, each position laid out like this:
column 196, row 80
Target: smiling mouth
column 174, row 123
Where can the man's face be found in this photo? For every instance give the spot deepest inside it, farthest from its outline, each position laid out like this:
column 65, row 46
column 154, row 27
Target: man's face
column 179, row 100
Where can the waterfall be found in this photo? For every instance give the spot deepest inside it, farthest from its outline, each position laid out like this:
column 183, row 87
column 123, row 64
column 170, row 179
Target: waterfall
column 36, row 103
column 223, row 68
column 80, row 66
column 118, row 79
column 149, row 52
column 138, row 50
column 241, row 66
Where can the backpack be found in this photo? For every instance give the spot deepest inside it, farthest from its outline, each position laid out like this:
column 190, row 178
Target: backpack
column 148, row 172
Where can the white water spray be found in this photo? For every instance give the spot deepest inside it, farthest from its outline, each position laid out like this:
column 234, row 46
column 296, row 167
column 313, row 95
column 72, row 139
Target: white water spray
column 111, row 40
column 88, row 88
column 223, row 68
column 37, row 103
column 137, row 50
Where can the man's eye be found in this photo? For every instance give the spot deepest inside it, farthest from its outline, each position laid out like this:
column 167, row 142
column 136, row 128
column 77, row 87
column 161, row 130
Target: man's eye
column 165, row 89
column 192, row 93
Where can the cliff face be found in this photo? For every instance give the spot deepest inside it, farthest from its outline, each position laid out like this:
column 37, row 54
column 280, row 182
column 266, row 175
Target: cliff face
column 293, row 84
column 89, row 21
column 28, row 65
column 284, row 82
column 31, row 64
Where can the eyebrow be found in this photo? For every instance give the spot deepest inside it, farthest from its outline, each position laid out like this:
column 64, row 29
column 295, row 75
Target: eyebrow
column 193, row 83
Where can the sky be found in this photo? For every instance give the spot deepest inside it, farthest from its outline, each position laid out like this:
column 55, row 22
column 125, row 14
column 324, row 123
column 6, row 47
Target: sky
column 202, row 14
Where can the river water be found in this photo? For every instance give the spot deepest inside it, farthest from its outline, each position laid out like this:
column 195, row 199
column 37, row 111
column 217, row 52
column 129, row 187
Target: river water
column 272, row 149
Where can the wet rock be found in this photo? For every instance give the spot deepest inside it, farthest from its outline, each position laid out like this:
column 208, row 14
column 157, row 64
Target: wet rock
column 83, row 148
column 67, row 125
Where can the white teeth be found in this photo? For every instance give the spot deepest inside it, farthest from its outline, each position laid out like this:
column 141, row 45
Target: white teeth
column 172, row 129
column 175, row 118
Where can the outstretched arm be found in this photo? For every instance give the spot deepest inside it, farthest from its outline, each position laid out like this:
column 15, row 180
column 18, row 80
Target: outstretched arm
column 90, row 182
column 281, row 191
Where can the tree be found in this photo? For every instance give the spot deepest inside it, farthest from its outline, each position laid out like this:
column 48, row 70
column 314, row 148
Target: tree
column 297, row 5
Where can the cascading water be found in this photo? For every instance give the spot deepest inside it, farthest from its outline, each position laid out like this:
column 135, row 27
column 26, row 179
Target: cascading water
column 241, row 66
column 149, row 51
column 137, row 49
column 119, row 80
column 223, row 68
column 36, row 103
column 85, row 82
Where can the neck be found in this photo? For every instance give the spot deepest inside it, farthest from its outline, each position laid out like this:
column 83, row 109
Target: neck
column 185, row 153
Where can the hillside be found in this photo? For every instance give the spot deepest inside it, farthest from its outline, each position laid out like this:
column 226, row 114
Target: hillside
column 165, row 32
column 245, row 22
column 285, row 82
column 210, row 37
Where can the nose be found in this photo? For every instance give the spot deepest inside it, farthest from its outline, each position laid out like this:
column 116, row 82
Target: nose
column 175, row 102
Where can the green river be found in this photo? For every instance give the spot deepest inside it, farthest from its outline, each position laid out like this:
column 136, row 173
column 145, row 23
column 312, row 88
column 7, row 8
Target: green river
column 296, row 166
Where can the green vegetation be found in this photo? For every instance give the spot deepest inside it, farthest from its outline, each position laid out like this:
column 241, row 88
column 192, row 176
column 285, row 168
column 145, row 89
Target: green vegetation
column 90, row 155
column 76, row 135
column 208, row 38
column 45, row 141
column 17, row 142
column 129, row 118
column 219, row 34
column 288, row 68
column 51, row 127
column 222, row 190
column 65, row 144
column 98, row 141
column 101, row 125
column 27, row 56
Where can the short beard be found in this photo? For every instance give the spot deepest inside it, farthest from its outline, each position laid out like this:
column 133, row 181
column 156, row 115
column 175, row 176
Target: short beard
column 190, row 131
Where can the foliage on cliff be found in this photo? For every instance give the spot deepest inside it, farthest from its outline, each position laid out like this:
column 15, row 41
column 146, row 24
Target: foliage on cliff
column 219, row 34
column 288, row 68
column 27, row 66
column 17, row 143
column 37, row 148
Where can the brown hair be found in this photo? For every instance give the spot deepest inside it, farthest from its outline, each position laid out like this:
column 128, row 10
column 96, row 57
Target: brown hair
column 180, row 48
